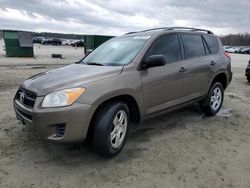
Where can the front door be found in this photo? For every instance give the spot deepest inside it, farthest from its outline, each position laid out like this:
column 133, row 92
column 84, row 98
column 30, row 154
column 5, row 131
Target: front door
column 164, row 86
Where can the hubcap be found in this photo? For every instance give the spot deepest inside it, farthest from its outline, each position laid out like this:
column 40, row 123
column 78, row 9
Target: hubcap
column 119, row 129
column 216, row 99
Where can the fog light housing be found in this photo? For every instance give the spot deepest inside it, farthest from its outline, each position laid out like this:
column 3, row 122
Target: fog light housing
column 60, row 130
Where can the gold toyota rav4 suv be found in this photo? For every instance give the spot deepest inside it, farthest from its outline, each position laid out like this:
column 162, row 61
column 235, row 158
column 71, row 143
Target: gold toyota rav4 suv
column 124, row 81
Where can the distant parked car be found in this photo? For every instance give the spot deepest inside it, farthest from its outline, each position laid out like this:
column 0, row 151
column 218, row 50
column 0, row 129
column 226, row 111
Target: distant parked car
column 238, row 49
column 79, row 43
column 67, row 42
column 248, row 71
column 245, row 50
column 229, row 50
column 38, row 40
column 53, row 41
column 233, row 50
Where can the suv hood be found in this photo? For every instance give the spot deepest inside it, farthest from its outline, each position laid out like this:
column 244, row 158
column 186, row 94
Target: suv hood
column 70, row 76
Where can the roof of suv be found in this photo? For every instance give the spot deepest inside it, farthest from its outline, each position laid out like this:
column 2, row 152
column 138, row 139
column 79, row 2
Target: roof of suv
column 161, row 29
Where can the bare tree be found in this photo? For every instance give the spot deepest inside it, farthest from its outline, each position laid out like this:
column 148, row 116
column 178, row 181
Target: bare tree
column 236, row 39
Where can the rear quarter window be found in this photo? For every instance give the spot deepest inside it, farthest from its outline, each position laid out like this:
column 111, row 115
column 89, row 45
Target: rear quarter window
column 212, row 44
column 193, row 46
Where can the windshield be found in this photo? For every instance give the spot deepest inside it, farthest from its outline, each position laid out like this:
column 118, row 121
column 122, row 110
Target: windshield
column 116, row 52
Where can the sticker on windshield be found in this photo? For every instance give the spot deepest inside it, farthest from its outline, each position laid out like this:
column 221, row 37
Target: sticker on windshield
column 142, row 37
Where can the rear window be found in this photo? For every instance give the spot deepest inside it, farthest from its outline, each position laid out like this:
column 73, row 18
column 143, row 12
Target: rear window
column 212, row 44
column 193, row 46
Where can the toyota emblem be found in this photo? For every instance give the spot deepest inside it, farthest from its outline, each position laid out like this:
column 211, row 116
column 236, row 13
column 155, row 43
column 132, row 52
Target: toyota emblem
column 22, row 96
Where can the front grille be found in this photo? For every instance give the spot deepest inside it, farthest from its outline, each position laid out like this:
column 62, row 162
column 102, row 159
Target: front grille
column 24, row 114
column 26, row 97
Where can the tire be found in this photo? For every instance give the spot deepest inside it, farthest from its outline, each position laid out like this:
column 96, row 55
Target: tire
column 248, row 78
column 107, row 125
column 214, row 100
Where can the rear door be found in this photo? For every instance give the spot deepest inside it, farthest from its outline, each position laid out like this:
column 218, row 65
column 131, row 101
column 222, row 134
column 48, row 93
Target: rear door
column 197, row 63
column 164, row 86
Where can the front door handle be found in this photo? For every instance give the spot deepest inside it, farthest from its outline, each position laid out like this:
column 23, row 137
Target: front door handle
column 183, row 69
column 212, row 63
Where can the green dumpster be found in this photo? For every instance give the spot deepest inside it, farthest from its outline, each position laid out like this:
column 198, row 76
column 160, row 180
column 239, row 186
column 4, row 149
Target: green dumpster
column 18, row 43
column 91, row 42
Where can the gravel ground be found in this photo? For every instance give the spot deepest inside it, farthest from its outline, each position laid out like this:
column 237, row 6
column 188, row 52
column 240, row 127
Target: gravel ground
column 180, row 149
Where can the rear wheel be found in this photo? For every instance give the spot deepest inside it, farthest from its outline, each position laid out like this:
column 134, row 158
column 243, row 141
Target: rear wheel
column 214, row 100
column 111, row 128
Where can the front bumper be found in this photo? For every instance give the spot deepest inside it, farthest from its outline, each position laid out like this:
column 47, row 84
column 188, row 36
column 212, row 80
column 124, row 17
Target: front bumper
column 247, row 71
column 72, row 121
column 230, row 77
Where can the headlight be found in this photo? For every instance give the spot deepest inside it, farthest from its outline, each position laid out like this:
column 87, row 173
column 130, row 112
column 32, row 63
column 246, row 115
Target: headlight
column 62, row 98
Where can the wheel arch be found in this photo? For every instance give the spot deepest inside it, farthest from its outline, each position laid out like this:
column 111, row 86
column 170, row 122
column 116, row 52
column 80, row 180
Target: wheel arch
column 221, row 77
column 134, row 109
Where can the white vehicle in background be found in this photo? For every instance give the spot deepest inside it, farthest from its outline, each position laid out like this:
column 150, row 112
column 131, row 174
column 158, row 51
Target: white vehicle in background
column 233, row 49
column 245, row 50
column 68, row 42
column 238, row 49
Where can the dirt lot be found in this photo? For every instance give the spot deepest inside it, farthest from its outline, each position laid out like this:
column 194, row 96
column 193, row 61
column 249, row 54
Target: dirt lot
column 181, row 149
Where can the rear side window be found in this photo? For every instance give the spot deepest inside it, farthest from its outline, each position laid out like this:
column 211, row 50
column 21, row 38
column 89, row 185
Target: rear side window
column 212, row 44
column 193, row 46
column 167, row 45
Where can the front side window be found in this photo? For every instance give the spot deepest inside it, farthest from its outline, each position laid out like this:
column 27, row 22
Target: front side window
column 193, row 46
column 116, row 52
column 167, row 45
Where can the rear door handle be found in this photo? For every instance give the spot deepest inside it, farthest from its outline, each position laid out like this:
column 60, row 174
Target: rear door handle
column 212, row 63
column 183, row 69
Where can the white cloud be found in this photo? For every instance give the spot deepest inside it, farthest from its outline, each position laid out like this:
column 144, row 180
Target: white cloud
column 115, row 17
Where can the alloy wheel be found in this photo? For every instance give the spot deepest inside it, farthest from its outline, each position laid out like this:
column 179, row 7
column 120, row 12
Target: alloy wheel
column 119, row 129
column 216, row 99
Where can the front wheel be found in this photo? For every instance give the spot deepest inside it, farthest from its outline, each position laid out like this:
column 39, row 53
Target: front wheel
column 214, row 100
column 111, row 128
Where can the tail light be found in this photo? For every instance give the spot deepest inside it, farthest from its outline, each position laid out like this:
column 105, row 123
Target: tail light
column 227, row 55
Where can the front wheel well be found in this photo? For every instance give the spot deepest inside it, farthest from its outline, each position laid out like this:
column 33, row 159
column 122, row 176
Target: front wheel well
column 129, row 100
column 222, row 78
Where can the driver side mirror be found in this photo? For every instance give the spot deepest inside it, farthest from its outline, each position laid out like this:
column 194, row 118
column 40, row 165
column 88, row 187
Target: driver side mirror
column 153, row 61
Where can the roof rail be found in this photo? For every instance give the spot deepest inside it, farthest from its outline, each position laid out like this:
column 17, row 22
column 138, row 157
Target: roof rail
column 160, row 28
column 175, row 28
column 190, row 29
column 131, row 32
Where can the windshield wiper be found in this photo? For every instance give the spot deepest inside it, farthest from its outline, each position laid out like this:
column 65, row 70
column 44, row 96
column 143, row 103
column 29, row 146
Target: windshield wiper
column 93, row 63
